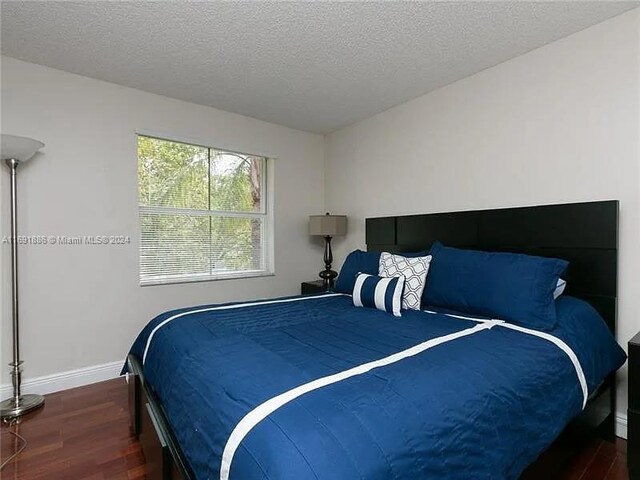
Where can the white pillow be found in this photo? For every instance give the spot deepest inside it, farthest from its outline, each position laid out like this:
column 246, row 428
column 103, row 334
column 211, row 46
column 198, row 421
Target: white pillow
column 560, row 286
column 413, row 269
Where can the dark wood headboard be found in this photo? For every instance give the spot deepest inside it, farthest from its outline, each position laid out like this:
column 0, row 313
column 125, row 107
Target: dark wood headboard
column 585, row 234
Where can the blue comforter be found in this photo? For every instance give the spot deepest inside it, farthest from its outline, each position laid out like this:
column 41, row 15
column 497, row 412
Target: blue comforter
column 482, row 405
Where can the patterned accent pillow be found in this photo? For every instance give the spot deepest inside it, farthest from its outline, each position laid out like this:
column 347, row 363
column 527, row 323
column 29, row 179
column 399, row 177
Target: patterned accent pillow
column 560, row 286
column 414, row 270
column 376, row 292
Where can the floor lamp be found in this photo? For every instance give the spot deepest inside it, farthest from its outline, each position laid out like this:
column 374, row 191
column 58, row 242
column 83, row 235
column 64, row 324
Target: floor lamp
column 16, row 150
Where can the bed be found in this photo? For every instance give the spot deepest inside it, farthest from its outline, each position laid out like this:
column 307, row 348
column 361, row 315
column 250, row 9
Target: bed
column 313, row 387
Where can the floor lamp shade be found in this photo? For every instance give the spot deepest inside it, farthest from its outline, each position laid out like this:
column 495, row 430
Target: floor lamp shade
column 16, row 150
column 22, row 149
column 327, row 226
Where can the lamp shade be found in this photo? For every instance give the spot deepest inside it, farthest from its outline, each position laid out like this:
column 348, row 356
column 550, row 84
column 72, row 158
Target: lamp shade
column 18, row 148
column 328, row 225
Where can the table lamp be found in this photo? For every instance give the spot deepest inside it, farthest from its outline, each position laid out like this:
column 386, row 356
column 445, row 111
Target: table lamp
column 328, row 226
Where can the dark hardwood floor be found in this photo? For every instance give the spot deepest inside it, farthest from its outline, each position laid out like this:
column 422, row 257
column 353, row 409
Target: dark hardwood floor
column 83, row 434
column 80, row 434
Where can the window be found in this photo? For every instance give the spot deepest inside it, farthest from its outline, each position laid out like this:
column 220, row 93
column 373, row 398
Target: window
column 203, row 213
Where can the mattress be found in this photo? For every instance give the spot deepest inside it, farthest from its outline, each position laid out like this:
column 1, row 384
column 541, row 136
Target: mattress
column 315, row 388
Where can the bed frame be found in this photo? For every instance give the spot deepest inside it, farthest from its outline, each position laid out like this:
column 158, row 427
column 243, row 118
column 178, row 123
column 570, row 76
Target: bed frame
column 586, row 234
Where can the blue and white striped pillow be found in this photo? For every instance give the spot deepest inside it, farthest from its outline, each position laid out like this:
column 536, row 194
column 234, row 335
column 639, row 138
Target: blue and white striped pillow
column 377, row 292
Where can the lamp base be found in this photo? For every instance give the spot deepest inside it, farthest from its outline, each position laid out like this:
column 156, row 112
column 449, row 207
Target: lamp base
column 26, row 403
column 328, row 277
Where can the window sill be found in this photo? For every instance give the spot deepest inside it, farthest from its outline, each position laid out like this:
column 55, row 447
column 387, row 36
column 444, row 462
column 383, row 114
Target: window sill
column 227, row 276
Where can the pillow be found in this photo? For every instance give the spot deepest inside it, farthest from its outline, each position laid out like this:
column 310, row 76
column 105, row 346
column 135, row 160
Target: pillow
column 361, row 262
column 560, row 286
column 507, row 286
column 356, row 262
column 414, row 270
column 376, row 292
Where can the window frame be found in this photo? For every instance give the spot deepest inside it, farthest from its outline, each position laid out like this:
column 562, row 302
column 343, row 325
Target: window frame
column 266, row 213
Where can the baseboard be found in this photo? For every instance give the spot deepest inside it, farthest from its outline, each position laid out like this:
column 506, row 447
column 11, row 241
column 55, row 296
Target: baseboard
column 69, row 379
column 621, row 425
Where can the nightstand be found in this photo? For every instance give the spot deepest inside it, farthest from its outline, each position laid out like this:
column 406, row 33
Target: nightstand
column 633, row 413
column 316, row 286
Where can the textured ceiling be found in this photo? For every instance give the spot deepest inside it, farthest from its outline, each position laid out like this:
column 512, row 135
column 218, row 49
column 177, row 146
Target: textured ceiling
column 315, row 66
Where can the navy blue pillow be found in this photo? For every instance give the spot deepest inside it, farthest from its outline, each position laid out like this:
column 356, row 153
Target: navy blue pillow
column 506, row 286
column 356, row 262
column 361, row 262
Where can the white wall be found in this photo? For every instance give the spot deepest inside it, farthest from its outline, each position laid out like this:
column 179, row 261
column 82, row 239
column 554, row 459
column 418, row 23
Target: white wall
column 82, row 305
column 559, row 124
